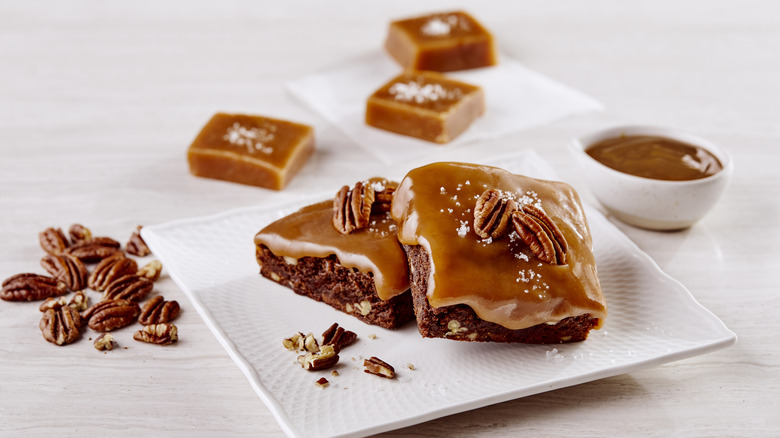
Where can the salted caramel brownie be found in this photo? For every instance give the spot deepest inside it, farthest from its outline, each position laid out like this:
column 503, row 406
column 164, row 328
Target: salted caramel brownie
column 441, row 42
column 343, row 252
column 497, row 257
column 425, row 105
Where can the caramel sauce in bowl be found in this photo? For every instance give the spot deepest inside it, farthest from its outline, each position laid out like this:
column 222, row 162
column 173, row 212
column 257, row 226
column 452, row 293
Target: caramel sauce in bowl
column 652, row 177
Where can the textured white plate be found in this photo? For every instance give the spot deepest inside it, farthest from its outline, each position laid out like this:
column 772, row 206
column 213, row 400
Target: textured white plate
column 653, row 319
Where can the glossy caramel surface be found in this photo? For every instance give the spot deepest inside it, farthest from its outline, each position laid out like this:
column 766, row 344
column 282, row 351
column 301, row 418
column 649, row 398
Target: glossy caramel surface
column 500, row 279
column 375, row 250
column 655, row 157
column 445, row 41
column 248, row 149
column 425, row 105
column 425, row 91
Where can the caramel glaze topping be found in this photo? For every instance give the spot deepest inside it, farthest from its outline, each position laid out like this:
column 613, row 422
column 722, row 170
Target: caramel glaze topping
column 501, row 279
column 374, row 250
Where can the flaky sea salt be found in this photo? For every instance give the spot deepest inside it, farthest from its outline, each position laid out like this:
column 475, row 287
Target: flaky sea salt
column 251, row 138
column 463, row 229
column 414, row 91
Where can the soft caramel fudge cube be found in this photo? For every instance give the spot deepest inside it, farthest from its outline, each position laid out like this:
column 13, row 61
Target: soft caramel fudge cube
column 441, row 42
column 254, row 150
column 425, row 105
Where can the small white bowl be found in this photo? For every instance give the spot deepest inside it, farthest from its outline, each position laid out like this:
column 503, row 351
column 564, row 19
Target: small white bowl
column 652, row 203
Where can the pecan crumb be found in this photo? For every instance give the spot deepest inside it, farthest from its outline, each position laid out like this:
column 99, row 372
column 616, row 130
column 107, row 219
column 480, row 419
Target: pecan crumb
column 160, row 334
column 322, row 382
column 104, row 342
column 325, row 358
column 378, row 367
column 338, row 337
column 151, row 270
column 294, row 342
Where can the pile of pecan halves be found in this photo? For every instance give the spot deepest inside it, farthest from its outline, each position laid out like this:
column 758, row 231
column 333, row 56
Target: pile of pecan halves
column 124, row 287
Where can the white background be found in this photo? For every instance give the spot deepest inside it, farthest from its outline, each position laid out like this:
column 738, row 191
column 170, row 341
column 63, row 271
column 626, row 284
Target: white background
column 99, row 101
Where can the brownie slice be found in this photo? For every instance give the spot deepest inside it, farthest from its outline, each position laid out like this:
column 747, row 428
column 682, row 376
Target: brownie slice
column 460, row 322
column 345, row 289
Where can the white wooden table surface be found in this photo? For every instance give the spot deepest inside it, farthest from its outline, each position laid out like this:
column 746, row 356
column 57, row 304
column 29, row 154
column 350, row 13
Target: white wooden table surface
column 99, row 101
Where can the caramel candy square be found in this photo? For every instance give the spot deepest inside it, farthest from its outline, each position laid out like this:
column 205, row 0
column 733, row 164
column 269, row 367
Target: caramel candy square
column 425, row 105
column 254, row 150
column 441, row 42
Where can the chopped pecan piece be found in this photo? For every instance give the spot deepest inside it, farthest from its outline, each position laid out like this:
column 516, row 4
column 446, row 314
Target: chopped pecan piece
column 136, row 245
column 151, row 270
column 80, row 301
column 492, row 214
column 104, row 342
column 79, row 233
column 310, row 343
column 338, row 337
column 94, row 250
column 383, row 200
column 129, row 287
column 352, row 208
column 160, row 334
column 110, row 269
column 67, row 269
column 325, row 358
column 61, row 326
column 31, row 287
column 158, row 311
column 378, row 367
column 541, row 234
column 111, row 314
column 53, row 240
column 294, row 342
column 322, row 383
column 53, row 303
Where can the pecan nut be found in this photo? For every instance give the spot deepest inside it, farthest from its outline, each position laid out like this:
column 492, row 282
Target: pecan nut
column 94, row 250
column 151, row 270
column 378, row 367
column 104, row 342
column 383, row 200
column 136, row 245
column 111, row 314
column 67, row 269
column 110, row 269
column 80, row 301
column 325, row 358
column 53, row 240
column 294, row 342
column 53, row 303
column 61, row 326
column 160, row 334
column 158, row 311
column 541, row 234
column 31, row 287
column 352, row 208
column 492, row 214
column 79, row 233
column 338, row 337
column 129, row 287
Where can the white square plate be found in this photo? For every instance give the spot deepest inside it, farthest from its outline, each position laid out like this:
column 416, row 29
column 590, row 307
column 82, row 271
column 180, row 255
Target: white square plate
column 653, row 319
